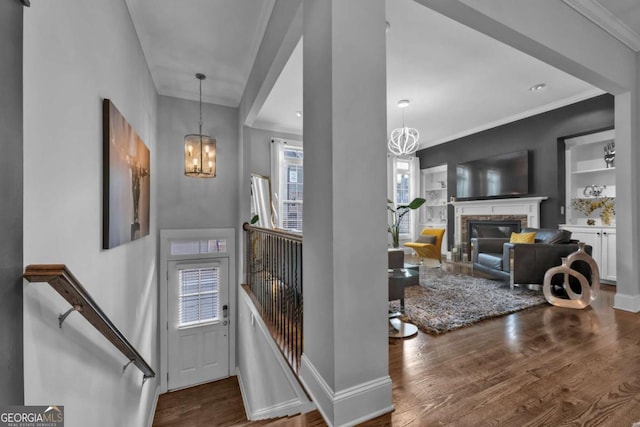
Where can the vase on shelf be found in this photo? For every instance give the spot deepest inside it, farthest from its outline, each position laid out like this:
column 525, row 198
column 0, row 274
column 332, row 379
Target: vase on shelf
column 609, row 154
column 606, row 216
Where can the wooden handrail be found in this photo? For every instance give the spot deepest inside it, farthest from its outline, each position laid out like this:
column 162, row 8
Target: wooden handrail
column 65, row 283
column 273, row 232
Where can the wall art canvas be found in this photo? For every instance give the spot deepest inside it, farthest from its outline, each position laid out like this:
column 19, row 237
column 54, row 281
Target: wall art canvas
column 126, row 184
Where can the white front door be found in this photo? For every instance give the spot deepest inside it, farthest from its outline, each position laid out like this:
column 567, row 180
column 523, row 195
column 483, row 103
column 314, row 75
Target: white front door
column 198, row 327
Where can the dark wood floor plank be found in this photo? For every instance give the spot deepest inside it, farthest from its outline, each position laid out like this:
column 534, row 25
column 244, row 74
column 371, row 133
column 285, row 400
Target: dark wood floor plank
column 544, row 366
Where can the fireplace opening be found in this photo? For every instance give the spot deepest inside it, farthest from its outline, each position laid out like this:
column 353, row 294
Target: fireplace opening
column 494, row 228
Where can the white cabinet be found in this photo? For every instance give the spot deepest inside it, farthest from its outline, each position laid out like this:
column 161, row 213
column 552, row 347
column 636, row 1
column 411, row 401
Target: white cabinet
column 603, row 242
column 433, row 186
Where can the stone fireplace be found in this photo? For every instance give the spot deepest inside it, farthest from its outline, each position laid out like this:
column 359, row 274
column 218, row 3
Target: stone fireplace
column 489, row 226
column 500, row 215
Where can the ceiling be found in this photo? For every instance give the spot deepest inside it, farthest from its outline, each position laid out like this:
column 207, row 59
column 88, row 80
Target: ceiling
column 458, row 80
column 219, row 38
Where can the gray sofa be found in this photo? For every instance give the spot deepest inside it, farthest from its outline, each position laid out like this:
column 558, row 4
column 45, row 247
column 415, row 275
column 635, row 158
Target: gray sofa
column 523, row 263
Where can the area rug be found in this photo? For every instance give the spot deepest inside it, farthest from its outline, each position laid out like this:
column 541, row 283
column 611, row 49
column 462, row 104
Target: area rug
column 447, row 301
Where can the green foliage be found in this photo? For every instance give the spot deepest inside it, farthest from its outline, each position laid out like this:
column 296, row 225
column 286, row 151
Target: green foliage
column 397, row 213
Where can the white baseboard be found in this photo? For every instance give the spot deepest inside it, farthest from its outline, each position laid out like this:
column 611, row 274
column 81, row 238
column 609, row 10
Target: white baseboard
column 350, row 406
column 627, row 302
column 282, row 409
column 243, row 393
column 154, row 406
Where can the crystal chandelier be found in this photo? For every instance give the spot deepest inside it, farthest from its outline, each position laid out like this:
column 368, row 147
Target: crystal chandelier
column 199, row 149
column 403, row 140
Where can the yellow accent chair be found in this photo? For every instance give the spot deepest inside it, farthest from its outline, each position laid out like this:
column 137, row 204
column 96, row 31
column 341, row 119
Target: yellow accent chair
column 428, row 250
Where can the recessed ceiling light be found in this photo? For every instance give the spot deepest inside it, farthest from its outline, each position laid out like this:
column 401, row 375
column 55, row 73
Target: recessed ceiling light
column 537, row 87
column 299, row 113
column 403, row 103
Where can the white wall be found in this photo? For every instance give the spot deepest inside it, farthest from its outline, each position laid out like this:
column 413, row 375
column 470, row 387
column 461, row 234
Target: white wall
column 76, row 54
column 185, row 202
column 269, row 387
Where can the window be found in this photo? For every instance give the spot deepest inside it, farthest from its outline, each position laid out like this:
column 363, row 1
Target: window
column 403, row 191
column 288, row 182
column 403, row 187
column 291, row 193
column 195, row 247
column 198, row 295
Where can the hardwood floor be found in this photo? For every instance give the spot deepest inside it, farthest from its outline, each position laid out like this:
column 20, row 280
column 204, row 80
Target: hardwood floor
column 545, row 366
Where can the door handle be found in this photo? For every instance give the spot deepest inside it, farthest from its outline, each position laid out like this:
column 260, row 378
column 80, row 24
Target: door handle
column 225, row 311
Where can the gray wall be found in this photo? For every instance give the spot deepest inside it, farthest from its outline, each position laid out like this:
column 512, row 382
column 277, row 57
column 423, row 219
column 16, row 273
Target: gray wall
column 539, row 134
column 76, row 54
column 11, row 190
column 260, row 143
column 185, row 202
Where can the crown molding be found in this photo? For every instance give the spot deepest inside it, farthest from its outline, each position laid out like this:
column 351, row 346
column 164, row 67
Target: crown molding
column 534, row 111
column 606, row 20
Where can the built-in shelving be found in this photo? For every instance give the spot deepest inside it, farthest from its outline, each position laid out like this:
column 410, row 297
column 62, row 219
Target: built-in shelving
column 589, row 171
column 585, row 169
column 433, row 214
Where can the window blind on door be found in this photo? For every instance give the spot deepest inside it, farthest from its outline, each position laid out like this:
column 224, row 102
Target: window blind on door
column 198, row 295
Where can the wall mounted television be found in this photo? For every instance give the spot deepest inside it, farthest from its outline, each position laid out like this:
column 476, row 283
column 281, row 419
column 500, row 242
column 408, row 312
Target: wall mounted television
column 501, row 176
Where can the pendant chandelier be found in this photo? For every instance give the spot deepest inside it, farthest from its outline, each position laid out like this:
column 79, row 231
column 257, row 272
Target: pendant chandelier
column 404, row 140
column 199, row 149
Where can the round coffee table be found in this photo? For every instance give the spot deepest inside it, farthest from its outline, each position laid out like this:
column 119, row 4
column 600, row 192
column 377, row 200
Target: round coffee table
column 400, row 329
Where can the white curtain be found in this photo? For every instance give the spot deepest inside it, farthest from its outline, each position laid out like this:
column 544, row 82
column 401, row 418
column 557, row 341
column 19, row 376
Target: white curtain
column 277, row 145
column 414, row 191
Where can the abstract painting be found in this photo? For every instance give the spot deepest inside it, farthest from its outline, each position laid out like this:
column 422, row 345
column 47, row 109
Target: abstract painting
column 126, row 183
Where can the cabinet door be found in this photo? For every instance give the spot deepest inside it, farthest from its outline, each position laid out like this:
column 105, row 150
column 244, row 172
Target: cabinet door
column 593, row 239
column 608, row 263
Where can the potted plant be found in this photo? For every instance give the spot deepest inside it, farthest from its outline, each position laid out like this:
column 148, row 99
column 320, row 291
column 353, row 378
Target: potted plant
column 397, row 213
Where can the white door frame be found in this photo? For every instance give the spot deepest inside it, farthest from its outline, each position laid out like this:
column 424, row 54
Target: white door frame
column 166, row 236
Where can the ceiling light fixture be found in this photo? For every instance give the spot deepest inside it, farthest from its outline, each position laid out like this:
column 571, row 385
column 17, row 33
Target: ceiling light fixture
column 199, row 149
column 299, row 113
column 404, row 140
column 537, row 87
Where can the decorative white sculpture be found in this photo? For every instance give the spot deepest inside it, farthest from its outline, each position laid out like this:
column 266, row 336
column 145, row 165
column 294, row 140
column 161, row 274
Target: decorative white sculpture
column 589, row 288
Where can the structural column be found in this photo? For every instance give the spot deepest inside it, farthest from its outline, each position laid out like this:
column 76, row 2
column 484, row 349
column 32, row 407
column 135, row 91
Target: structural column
column 11, row 167
column 345, row 360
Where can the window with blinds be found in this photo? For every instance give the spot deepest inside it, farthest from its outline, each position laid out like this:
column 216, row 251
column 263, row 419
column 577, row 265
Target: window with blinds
column 198, row 295
column 291, row 189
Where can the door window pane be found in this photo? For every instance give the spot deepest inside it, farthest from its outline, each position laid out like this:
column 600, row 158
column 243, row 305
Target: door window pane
column 198, row 295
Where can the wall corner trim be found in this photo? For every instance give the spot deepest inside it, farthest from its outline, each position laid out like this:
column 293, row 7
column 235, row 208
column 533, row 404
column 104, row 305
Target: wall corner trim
column 350, row 406
column 627, row 302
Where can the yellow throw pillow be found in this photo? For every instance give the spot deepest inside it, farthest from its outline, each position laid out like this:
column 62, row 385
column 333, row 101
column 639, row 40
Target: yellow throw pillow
column 523, row 237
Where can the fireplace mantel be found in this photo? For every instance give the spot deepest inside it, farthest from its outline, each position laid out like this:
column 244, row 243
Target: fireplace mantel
column 529, row 206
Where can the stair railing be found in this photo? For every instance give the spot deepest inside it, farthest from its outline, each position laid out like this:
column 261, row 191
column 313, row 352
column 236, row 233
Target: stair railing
column 65, row 283
column 273, row 265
